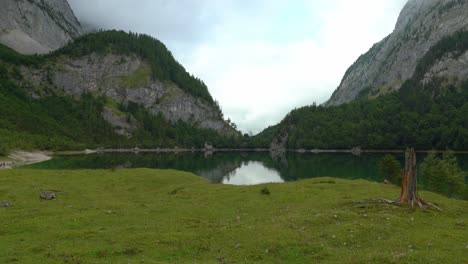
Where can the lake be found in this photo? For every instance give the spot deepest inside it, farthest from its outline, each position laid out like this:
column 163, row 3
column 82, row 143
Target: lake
column 239, row 168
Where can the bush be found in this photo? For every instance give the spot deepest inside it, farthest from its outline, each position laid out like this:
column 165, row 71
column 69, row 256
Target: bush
column 265, row 191
column 443, row 175
column 391, row 169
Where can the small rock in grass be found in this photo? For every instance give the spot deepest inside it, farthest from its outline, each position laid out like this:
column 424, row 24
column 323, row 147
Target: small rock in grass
column 5, row 204
column 48, row 195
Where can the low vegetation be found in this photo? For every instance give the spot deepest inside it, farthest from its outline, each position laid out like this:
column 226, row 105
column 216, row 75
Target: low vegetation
column 391, row 169
column 443, row 175
column 137, row 79
column 157, row 216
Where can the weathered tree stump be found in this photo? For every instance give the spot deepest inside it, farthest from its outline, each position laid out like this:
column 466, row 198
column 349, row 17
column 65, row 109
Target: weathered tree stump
column 409, row 184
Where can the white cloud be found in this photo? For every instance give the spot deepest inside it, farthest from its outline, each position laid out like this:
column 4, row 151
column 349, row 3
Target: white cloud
column 259, row 58
column 259, row 81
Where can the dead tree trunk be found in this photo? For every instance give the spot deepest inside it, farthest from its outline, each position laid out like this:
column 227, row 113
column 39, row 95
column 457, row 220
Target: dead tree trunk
column 409, row 184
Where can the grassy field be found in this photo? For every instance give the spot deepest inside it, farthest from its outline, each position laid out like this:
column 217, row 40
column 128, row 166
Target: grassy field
column 164, row 216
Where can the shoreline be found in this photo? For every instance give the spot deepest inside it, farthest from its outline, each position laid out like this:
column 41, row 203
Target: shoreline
column 21, row 158
column 181, row 150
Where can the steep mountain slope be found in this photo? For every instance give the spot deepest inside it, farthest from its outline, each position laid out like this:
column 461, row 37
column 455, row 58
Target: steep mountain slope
column 131, row 69
column 429, row 111
column 110, row 89
column 389, row 63
column 37, row 26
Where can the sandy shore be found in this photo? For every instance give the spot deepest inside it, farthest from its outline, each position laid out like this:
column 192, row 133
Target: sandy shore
column 19, row 158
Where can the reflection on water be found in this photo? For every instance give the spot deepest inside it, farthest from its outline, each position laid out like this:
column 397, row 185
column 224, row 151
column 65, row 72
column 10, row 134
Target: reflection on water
column 239, row 167
column 251, row 173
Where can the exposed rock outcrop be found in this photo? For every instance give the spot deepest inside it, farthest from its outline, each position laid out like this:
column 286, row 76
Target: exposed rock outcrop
column 47, row 195
column 385, row 67
column 125, row 79
column 451, row 68
column 37, row 26
column 119, row 121
column 5, row 204
column 280, row 143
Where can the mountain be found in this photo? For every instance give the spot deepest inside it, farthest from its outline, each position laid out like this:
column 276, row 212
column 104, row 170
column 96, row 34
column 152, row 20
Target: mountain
column 411, row 89
column 106, row 89
column 389, row 63
column 37, row 26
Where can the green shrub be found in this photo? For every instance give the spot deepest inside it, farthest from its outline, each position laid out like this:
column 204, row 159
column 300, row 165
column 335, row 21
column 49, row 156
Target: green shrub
column 391, row 169
column 265, row 191
column 443, row 175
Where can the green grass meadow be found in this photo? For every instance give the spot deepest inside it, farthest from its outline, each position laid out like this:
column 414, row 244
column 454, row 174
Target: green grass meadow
column 167, row 216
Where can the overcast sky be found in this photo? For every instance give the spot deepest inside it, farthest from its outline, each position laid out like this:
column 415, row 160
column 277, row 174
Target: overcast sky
column 259, row 58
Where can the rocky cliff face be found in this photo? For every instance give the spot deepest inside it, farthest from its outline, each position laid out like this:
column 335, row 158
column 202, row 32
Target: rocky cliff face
column 37, row 26
column 422, row 23
column 124, row 79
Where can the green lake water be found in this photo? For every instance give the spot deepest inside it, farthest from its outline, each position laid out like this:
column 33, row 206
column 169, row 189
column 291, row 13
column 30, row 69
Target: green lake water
column 239, row 168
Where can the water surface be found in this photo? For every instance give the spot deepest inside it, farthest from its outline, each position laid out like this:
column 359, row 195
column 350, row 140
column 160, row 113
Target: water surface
column 239, row 168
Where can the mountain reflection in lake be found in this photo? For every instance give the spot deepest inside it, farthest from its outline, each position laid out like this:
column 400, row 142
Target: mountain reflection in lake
column 239, row 168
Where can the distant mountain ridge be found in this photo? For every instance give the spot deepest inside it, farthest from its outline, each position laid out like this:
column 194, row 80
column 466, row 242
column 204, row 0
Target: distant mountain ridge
column 389, row 63
column 37, row 26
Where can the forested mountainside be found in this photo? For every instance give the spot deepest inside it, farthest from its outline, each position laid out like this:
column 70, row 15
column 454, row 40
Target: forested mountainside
column 394, row 60
column 107, row 89
column 430, row 110
column 37, row 26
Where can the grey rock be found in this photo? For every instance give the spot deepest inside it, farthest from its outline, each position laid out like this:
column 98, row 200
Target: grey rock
column 106, row 75
column 208, row 147
column 37, row 26
column 385, row 67
column 356, row 151
column 451, row 68
column 5, row 204
column 48, row 195
column 280, row 143
column 122, row 126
